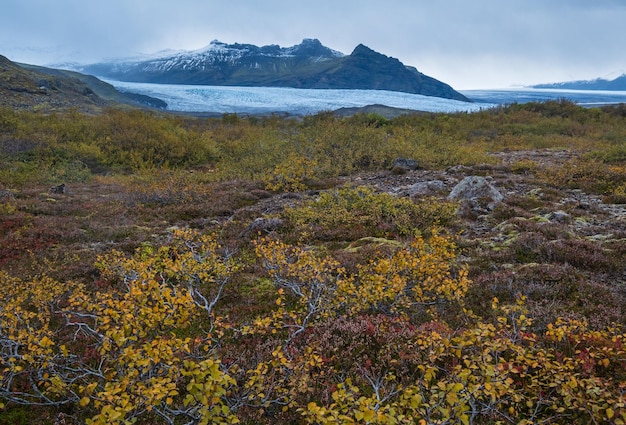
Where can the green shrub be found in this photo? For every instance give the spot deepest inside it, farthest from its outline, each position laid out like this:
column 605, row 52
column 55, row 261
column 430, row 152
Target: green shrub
column 354, row 213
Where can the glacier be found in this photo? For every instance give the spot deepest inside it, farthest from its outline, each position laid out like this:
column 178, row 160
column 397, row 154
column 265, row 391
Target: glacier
column 265, row 100
column 587, row 98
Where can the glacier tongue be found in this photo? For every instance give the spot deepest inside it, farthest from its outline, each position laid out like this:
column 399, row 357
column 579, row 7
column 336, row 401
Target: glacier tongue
column 260, row 100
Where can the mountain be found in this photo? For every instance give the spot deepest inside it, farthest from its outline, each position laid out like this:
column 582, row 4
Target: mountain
column 306, row 65
column 29, row 87
column 618, row 84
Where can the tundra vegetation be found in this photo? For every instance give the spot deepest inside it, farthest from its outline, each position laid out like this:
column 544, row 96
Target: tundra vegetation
column 274, row 270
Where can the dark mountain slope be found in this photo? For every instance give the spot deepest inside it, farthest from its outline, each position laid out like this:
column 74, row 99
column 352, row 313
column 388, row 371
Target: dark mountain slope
column 367, row 69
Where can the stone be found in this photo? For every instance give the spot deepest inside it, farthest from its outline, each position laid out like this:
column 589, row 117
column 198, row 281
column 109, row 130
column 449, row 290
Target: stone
column 559, row 216
column 262, row 224
column 478, row 191
column 60, row 189
column 426, row 188
column 403, row 165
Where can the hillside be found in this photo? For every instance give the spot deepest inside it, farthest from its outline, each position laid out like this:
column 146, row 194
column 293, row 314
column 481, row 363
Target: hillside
column 306, row 65
column 29, row 87
column 617, row 84
column 21, row 88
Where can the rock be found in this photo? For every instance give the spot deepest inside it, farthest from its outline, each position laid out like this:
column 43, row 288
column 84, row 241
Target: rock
column 478, row 191
column 260, row 194
column 559, row 216
column 262, row 224
column 403, row 165
column 425, row 188
column 459, row 169
column 60, row 189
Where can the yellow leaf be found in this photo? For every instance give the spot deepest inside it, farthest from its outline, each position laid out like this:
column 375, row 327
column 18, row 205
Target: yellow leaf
column 368, row 415
column 46, row 342
column 610, row 413
column 84, row 401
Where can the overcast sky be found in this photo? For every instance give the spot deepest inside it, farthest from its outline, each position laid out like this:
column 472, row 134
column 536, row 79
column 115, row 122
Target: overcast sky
column 465, row 43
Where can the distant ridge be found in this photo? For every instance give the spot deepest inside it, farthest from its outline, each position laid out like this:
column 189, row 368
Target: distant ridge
column 618, row 84
column 306, row 65
column 36, row 88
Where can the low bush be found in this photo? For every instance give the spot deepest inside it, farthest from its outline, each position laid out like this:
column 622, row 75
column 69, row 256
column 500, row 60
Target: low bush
column 348, row 214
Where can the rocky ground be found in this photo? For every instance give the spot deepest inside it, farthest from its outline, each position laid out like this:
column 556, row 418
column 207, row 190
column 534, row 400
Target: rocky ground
column 564, row 249
column 558, row 246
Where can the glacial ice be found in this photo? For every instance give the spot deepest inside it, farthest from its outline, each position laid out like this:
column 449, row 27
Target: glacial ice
column 263, row 100
column 260, row 100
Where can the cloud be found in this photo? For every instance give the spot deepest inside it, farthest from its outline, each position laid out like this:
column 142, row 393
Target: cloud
column 463, row 43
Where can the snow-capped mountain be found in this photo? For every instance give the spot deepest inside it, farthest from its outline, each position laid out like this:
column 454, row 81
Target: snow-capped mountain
column 218, row 53
column 306, row 65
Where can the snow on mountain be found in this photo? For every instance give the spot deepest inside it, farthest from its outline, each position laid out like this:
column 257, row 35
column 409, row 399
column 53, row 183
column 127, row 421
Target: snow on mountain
column 218, row 52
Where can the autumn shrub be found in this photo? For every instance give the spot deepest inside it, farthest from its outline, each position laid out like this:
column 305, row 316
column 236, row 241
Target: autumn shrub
column 524, row 166
column 617, row 195
column 292, row 175
column 135, row 140
column 162, row 187
column 149, row 345
column 8, row 205
column 584, row 254
column 353, row 213
column 252, row 147
column 421, row 281
column 615, row 153
column 588, row 174
column 343, row 147
column 485, row 373
column 439, row 149
column 124, row 352
column 27, row 240
column 527, row 247
column 375, row 351
column 415, row 281
column 72, row 145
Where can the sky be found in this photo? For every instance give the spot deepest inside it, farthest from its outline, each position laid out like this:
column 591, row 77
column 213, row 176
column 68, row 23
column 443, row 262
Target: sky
column 469, row 44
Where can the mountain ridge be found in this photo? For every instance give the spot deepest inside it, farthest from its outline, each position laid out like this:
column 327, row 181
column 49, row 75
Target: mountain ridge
column 309, row 64
column 617, row 84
